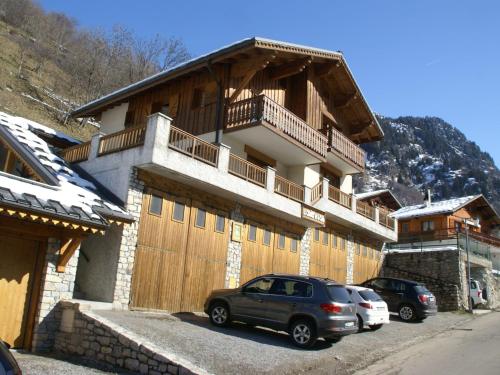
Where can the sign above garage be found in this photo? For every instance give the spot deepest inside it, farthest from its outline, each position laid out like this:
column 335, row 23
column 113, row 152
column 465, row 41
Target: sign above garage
column 313, row 215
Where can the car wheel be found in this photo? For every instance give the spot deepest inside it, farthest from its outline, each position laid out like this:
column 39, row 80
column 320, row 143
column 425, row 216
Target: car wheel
column 407, row 313
column 361, row 324
column 219, row 314
column 375, row 327
column 303, row 333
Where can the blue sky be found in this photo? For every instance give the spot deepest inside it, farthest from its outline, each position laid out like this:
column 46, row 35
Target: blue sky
column 434, row 58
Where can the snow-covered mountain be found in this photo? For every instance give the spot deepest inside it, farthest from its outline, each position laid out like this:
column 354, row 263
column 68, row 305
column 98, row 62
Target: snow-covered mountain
column 426, row 152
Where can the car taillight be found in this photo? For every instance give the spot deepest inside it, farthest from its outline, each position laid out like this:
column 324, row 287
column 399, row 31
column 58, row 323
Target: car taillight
column 479, row 293
column 366, row 305
column 423, row 298
column 331, row 308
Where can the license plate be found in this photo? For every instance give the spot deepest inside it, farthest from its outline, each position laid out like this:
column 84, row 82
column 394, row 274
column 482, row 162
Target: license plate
column 349, row 324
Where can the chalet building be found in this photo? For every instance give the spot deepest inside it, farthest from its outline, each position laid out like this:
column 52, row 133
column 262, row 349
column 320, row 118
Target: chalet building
column 432, row 247
column 233, row 164
column 46, row 210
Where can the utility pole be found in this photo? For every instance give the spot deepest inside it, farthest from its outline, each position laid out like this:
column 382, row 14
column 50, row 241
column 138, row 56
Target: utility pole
column 466, row 223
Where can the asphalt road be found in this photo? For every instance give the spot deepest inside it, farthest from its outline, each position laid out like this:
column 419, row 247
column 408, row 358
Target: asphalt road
column 468, row 349
column 243, row 350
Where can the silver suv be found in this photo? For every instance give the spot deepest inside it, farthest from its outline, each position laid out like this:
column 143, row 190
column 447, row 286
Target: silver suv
column 305, row 307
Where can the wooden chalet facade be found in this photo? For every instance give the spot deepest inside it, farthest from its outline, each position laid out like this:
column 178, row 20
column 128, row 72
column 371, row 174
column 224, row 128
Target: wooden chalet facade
column 243, row 162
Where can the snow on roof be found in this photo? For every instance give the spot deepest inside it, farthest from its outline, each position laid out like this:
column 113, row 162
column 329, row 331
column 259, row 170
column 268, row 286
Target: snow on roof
column 35, row 126
column 373, row 193
column 72, row 192
column 435, row 208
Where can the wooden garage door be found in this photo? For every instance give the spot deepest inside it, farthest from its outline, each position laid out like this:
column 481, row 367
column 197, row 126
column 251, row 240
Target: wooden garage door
column 181, row 254
column 268, row 249
column 18, row 259
column 366, row 261
column 328, row 256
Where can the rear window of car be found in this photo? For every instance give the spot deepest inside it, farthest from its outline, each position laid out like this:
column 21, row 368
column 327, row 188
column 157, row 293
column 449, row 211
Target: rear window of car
column 369, row 295
column 421, row 289
column 338, row 293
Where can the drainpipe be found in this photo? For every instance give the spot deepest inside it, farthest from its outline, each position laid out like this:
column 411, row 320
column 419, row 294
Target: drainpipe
column 220, row 98
column 468, row 263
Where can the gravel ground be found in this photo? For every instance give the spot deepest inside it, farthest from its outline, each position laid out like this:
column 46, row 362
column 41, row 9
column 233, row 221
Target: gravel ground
column 242, row 350
column 33, row 364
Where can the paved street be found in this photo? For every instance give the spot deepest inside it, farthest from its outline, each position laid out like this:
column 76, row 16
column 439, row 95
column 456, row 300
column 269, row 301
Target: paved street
column 468, row 349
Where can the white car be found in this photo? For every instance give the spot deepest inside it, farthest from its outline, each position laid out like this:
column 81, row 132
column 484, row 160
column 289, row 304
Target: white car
column 476, row 293
column 371, row 309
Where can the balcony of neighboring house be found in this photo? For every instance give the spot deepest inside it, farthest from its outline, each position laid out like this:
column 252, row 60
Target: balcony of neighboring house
column 283, row 135
column 165, row 150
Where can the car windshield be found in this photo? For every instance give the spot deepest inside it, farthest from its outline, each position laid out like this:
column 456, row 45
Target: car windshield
column 421, row 289
column 338, row 293
column 369, row 295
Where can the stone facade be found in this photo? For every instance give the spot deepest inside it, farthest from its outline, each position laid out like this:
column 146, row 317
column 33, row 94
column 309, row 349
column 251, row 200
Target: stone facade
column 55, row 286
column 234, row 253
column 128, row 243
column 305, row 252
column 350, row 259
column 87, row 334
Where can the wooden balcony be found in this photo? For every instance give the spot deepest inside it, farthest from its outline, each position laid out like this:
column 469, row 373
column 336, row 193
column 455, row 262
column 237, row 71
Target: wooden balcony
column 247, row 171
column 339, row 197
column 342, row 146
column 76, row 153
column 365, row 209
column 122, row 140
column 193, row 146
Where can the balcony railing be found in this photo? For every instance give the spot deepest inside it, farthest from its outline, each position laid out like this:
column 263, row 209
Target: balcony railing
column 347, row 148
column 195, row 147
column 365, row 209
column 289, row 189
column 76, row 153
column 262, row 108
column 339, row 197
column 316, row 192
column 247, row 171
column 122, row 140
column 385, row 220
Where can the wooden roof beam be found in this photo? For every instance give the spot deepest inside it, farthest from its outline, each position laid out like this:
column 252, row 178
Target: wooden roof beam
column 326, row 69
column 347, row 101
column 290, row 69
column 67, row 250
column 359, row 128
column 256, row 67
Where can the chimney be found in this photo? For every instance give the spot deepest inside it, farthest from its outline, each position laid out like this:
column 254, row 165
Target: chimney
column 429, row 199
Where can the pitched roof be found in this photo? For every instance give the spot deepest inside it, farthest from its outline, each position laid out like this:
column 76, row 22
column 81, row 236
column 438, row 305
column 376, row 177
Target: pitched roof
column 435, row 208
column 63, row 192
column 376, row 193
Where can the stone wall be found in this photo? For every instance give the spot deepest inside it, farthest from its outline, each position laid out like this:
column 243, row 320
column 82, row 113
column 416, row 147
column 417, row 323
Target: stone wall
column 350, row 259
column 54, row 287
column 438, row 270
column 305, row 252
column 87, row 334
column 233, row 268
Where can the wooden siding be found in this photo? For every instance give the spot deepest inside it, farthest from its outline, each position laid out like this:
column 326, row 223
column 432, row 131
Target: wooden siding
column 367, row 261
column 328, row 256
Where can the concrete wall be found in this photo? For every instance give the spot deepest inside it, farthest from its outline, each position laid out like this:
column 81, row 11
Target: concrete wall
column 113, row 120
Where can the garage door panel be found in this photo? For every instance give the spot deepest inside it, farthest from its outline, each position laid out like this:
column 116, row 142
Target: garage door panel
column 257, row 255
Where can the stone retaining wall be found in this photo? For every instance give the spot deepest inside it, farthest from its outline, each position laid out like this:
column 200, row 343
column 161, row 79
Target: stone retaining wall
column 87, row 334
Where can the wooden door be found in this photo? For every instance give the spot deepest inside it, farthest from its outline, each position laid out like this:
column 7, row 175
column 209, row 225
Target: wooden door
column 319, row 257
column 286, row 257
column 161, row 252
column 257, row 251
column 206, row 256
column 18, row 260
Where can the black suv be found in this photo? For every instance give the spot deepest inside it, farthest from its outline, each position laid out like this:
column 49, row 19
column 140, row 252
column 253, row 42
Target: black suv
column 305, row 307
column 411, row 300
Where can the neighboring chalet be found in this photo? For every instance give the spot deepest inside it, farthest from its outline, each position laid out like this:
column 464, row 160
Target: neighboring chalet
column 46, row 210
column 432, row 246
column 234, row 164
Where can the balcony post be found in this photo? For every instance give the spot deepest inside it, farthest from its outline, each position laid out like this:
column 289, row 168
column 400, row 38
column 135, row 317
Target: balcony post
column 223, row 160
column 307, row 194
column 377, row 215
column 326, row 191
column 354, row 202
column 157, row 137
column 94, row 146
column 270, row 179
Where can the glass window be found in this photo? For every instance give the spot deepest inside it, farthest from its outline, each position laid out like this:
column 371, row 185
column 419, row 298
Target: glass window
column 358, row 248
column 155, row 204
column 316, row 234
column 365, row 251
column 371, row 253
column 334, row 241
column 405, row 227
column 294, row 244
column 380, row 283
column 201, row 217
column 338, row 293
column 259, row 286
column 325, row 238
column 220, row 223
column 421, row 289
column 178, row 213
column 342, row 243
column 281, row 241
column 266, row 238
column 252, row 233
column 292, row 288
column 369, row 295
column 428, row 226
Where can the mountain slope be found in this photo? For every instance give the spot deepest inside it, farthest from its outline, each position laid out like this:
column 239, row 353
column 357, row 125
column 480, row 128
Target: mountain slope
column 418, row 153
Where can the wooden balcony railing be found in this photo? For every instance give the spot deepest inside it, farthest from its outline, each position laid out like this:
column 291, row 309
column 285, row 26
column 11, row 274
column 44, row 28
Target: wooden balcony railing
column 365, row 209
column 384, row 219
column 262, row 108
column 288, row 189
column 339, row 197
column 122, row 140
column 347, row 148
column 195, row 147
column 76, row 153
column 247, row 171
column 316, row 192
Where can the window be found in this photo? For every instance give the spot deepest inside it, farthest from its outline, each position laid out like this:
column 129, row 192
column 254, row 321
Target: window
column 160, row 107
column 291, row 288
column 371, row 253
column 259, row 286
column 266, row 238
column 380, row 283
column 220, row 223
column 204, row 95
column 325, row 238
column 427, row 226
column 178, row 214
column 201, row 218
column 316, row 234
column 294, row 244
column 338, row 293
column 281, row 241
column 370, row 295
column 129, row 119
column 458, row 226
column 155, row 205
column 358, row 248
column 405, row 227
column 365, row 251
column 252, row 233
column 342, row 243
column 334, row 241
